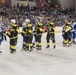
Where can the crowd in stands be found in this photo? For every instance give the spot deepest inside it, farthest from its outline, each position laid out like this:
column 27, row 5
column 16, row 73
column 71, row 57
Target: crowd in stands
column 20, row 13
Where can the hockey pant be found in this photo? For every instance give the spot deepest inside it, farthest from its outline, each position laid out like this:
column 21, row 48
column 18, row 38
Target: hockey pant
column 13, row 43
column 29, row 39
column 38, row 39
column 67, row 38
column 74, row 35
column 0, row 41
column 24, row 42
column 34, row 39
column 52, row 37
column 4, row 37
column 0, row 38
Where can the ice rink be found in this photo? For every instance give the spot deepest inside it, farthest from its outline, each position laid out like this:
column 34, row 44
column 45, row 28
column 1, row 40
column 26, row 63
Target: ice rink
column 59, row 61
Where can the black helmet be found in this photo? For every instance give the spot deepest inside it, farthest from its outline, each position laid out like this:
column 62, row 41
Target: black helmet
column 48, row 19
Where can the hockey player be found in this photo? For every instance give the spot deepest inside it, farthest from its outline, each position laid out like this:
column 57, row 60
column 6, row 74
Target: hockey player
column 3, row 26
column 34, row 38
column 0, row 37
column 5, row 29
column 66, row 33
column 28, row 31
column 1, row 31
column 13, row 35
column 24, row 38
column 50, row 29
column 74, row 32
column 38, row 34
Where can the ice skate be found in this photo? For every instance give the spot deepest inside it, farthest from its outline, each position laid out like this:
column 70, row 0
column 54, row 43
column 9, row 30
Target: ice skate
column 31, row 49
column 12, row 50
column 54, row 46
column 38, row 48
column 48, row 46
column 0, row 51
column 64, row 45
column 23, row 49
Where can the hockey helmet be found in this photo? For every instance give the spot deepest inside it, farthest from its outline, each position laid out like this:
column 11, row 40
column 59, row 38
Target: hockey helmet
column 27, row 20
column 13, row 20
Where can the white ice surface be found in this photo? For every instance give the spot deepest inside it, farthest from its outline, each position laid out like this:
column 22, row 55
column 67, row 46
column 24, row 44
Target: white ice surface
column 61, row 61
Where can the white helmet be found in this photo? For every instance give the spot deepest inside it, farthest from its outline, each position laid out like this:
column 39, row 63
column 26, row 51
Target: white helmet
column 27, row 20
column 13, row 20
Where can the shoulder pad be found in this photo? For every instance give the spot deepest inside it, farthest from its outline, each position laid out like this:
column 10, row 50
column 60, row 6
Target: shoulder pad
column 51, row 23
column 40, row 23
column 29, row 25
column 15, row 25
column 69, row 23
